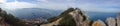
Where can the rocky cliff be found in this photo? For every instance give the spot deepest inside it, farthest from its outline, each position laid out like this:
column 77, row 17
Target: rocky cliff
column 70, row 17
column 111, row 21
column 118, row 19
column 76, row 17
column 79, row 17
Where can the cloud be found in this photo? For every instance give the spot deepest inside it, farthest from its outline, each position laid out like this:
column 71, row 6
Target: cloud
column 86, row 5
column 42, row 0
column 17, row 5
column 2, row 1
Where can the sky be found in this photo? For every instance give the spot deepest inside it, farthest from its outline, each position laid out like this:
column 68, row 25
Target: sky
column 85, row 5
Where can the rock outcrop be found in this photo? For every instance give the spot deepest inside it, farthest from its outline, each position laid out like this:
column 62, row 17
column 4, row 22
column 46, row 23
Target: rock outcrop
column 98, row 23
column 79, row 17
column 111, row 21
column 76, row 17
column 64, row 19
column 71, row 17
column 3, row 23
column 118, row 19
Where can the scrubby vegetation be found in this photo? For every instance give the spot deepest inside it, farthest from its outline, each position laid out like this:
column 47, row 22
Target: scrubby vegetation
column 10, row 19
column 67, row 18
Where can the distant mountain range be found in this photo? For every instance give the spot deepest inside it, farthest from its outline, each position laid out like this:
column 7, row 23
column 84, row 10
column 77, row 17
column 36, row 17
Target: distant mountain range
column 35, row 13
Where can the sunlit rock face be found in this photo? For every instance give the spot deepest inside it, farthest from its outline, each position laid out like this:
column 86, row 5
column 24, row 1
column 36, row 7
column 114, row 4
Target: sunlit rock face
column 80, row 18
column 98, row 23
column 118, row 19
column 111, row 21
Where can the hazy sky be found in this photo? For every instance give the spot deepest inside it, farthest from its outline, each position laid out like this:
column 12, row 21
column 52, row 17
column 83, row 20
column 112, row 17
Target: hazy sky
column 86, row 5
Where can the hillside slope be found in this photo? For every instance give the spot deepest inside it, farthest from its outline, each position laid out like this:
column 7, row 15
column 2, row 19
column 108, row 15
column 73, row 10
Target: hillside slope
column 67, row 19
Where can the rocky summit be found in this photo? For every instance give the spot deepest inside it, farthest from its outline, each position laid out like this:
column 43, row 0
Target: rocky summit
column 76, row 17
column 71, row 17
column 80, row 18
column 111, row 21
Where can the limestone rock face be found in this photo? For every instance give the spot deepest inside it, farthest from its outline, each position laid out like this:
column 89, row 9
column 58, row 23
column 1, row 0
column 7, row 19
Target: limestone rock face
column 111, row 21
column 118, row 19
column 80, row 18
column 98, row 23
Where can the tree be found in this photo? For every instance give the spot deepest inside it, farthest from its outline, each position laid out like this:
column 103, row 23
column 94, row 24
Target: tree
column 10, row 19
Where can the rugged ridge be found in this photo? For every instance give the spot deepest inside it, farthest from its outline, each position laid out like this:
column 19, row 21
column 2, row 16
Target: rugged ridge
column 80, row 18
column 70, row 17
column 76, row 17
